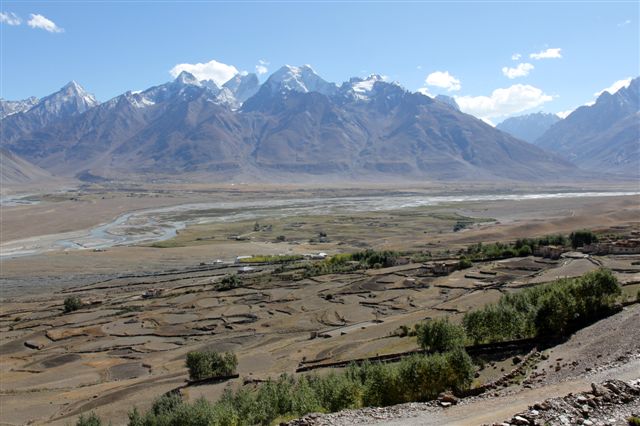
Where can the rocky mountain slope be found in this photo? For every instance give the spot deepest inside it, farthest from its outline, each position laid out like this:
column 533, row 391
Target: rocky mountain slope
column 604, row 137
column 15, row 170
column 295, row 124
column 12, row 107
column 528, row 127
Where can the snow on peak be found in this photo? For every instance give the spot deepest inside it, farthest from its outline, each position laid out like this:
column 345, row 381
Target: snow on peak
column 365, row 85
column 300, row 79
column 74, row 90
column 187, row 78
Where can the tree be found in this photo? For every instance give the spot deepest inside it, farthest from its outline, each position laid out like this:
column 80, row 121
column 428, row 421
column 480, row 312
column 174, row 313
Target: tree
column 582, row 238
column 440, row 335
column 204, row 365
column 90, row 420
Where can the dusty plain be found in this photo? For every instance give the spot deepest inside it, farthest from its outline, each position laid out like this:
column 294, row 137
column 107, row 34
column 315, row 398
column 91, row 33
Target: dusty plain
column 123, row 350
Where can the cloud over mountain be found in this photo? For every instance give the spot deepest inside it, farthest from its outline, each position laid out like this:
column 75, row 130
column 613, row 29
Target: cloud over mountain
column 219, row 72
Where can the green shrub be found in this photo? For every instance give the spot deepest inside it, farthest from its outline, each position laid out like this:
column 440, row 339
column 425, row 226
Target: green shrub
column 72, row 303
column 440, row 335
column 465, row 263
column 203, row 365
column 229, row 282
column 555, row 309
column 524, row 251
column 91, row 420
column 633, row 421
column 418, row 377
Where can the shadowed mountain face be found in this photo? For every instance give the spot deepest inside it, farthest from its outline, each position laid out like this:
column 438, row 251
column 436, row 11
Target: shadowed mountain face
column 296, row 125
column 604, row 137
column 528, row 127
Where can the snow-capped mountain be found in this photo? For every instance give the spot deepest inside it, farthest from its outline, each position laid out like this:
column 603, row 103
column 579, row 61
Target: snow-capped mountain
column 528, row 127
column 603, row 137
column 242, row 86
column 295, row 124
column 13, row 107
column 71, row 100
column 186, row 85
column 299, row 79
column 360, row 88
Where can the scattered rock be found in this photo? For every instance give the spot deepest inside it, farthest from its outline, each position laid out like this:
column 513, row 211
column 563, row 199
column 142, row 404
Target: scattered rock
column 33, row 345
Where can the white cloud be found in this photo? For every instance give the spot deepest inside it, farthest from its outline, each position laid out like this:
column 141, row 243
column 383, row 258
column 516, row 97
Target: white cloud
column 443, row 79
column 521, row 70
column 553, row 53
column 624, row 23
column 516, row 57
column 39, row 21
column 615, row 87
column 504, row 101
column 213, row 70
column 425, row 92
column 419, row 67
column 261, row 68
column 10, row 18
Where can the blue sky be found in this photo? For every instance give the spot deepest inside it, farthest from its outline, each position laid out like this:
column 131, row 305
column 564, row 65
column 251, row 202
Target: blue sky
column 110, row 47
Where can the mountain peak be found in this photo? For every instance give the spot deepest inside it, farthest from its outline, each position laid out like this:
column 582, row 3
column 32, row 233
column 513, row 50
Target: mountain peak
column 300, row 79
column 242, row 86
column 74, row 86
column 186, row 77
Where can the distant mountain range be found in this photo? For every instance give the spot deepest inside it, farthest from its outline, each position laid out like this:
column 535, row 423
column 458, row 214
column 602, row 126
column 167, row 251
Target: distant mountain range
column 295, row 125
column 603, row 137
column 528, row 127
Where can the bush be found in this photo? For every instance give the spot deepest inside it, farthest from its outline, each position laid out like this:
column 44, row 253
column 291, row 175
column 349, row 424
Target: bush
column 440, row 335
column 465, row 263
column 72, row 303
column 229, row 282
column 204, row 365
column 633, row 421
column 91, row 420
column 524, row 251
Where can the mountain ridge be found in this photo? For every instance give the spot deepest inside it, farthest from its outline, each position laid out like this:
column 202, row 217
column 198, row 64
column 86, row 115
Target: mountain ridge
column 294, row 124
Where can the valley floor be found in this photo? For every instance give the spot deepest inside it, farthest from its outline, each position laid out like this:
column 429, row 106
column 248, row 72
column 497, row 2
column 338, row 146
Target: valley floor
column 124, row 349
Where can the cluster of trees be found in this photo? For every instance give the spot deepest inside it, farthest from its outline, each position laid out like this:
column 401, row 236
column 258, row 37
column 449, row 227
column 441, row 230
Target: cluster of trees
column 582, row 238
column 207, row 364
column 280, row 258
column 526, row 246
column 347, row 262
column 417, row 378
column 551, row 310
column 375, row 259
column 497, row 250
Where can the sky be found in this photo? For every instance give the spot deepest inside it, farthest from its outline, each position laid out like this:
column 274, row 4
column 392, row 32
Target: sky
column 497, row 59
